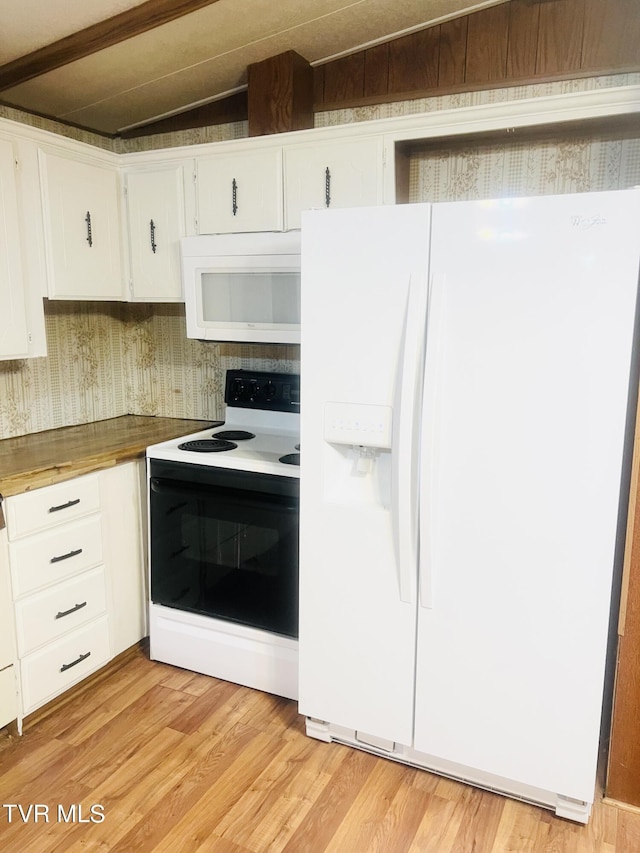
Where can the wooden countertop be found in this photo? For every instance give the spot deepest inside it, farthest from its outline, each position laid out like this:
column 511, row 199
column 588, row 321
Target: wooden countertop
column 43, row 458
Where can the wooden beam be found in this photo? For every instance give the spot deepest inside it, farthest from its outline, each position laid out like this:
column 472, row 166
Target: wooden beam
column 104, row 34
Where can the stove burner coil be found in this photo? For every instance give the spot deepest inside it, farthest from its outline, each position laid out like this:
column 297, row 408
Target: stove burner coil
column 291, row 459
column 207, row 445
column 233, row 434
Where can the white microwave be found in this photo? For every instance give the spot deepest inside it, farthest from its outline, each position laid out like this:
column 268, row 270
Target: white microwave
column 242, row 287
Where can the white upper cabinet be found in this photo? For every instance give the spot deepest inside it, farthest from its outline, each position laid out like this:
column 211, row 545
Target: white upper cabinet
column 82, row 227
column 335, row 174
column 156, row 220
column 14, row 337
column 22, row 333
column 240, row 192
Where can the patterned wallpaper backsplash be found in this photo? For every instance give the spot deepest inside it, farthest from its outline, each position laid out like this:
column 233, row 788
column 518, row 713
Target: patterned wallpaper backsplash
column 110, row 359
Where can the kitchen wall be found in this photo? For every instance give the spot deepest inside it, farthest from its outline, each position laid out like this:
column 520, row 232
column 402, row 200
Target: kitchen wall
column 108, row 359
column 535, row 164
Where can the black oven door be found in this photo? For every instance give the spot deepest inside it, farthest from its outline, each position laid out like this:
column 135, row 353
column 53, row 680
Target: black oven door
column 224, row 543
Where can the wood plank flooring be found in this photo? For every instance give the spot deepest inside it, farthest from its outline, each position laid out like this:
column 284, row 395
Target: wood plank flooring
column 174, row 762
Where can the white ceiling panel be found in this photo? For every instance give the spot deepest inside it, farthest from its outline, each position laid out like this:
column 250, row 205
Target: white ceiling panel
column 28, row 25
column 205, row 54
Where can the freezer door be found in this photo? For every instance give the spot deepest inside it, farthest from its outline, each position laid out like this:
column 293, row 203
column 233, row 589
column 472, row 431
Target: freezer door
column 364, row 291
column 525, row 405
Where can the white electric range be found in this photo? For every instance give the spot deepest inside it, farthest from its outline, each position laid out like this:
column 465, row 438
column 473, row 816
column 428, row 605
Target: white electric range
column 223, row 539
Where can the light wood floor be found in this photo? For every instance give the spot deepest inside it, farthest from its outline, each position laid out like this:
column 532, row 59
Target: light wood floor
column 182, row 763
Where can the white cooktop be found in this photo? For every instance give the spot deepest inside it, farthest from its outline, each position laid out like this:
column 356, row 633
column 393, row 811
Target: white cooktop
column 276, row 435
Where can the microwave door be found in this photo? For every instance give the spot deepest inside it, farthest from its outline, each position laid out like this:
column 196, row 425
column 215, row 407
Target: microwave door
column 249, row 299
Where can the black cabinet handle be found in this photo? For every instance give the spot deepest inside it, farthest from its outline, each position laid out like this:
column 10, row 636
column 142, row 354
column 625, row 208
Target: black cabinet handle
column 66, row 666
column 234, row 196
column 152, row 233
column 87, row 219
column 327, row 187
column 64, row 506
column 66, row 556
column 61, row 613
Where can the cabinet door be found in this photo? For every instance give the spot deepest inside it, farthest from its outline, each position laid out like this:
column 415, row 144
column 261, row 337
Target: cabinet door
column 156, row 222
column 14, row 342
column 8, row 691
column 7, row 647
column 344, row 174
column 82, row 228
column 122, row 489
column 240, row 192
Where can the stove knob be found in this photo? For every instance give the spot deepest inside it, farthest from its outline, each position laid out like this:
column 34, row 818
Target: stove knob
column 269, row 390
column 237, row 389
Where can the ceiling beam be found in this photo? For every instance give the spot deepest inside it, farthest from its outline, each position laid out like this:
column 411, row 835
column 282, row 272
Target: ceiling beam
column 104, row 34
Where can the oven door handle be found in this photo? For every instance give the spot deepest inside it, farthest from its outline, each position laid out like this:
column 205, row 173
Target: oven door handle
column 162, row 487
column 284, row 500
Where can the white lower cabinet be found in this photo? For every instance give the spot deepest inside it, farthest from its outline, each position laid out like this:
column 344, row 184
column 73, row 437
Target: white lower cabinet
column 77, row 578
column 8, row 686
column 57, row 666
column 123, row 495
column 47, row 615
column 43, row 559
column 8, row 696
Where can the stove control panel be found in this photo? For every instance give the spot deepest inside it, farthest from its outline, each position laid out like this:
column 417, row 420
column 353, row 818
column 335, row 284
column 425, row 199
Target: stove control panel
column 256, row 389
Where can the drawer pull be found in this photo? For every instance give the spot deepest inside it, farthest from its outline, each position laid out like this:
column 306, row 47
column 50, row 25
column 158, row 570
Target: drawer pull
column 66, row 556
column 62, row 613
column 64, row 506
column 66, row 666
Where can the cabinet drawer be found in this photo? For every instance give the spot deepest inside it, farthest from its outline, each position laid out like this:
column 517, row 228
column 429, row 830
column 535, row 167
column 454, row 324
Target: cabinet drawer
column 52, row 505
column 47, row 615
column 53, row 669
column 45, row 559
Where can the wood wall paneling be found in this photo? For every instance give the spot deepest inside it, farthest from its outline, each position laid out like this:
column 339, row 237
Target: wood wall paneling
column 280, row 94
column 376, row 70
column 318, row 87
column 453, row 52
column 623, row 777
column 413, row 61
column 226, row 110
column 344, row 79
column 611, row 34
column 509, row 44
column 560, row 39
column 522, row 45
column 487, row 42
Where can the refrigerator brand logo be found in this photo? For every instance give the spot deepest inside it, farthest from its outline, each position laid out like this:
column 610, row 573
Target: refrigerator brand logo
column 584, row 222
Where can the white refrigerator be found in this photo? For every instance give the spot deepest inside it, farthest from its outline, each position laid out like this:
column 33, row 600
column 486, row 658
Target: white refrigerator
column 468, row 398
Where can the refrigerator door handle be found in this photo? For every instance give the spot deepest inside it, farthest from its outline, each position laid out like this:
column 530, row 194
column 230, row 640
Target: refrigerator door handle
column 404, row 485
column 430, row 428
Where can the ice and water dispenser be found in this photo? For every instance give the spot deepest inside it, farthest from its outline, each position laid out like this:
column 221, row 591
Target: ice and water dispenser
column 358, row 449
